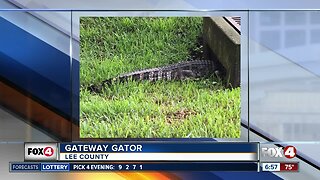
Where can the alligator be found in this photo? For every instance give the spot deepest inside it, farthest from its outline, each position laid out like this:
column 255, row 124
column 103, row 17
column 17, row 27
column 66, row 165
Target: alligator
column 179, row 71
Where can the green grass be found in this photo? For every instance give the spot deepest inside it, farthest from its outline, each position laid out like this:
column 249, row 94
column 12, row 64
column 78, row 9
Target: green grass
column 112, row 46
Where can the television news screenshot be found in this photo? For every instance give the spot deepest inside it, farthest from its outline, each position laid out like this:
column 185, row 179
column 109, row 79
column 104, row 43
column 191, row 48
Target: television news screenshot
column 159, row 89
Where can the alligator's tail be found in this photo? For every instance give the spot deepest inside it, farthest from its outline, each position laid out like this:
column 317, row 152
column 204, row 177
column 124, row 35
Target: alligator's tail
column 179, row 71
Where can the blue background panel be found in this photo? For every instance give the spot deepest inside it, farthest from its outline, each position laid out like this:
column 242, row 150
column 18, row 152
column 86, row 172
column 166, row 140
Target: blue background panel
column 35, row 67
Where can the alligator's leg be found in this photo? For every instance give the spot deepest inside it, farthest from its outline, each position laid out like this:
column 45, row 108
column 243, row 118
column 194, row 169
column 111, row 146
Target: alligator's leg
column 95, row 88
column 184, row 74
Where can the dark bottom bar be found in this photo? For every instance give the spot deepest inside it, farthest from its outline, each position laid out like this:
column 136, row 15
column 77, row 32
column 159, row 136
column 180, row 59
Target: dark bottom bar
column 145, row 166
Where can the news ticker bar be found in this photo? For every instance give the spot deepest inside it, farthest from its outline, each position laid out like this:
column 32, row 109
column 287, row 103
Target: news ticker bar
column 149, row 151
column 280, row 166
column 145, row 166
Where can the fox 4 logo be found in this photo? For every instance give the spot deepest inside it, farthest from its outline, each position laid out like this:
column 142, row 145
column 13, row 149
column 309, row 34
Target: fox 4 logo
column 40, row 151
column 279, row 152
column 47, row 151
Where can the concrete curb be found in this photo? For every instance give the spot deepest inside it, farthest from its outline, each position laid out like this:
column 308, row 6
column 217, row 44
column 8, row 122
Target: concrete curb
column 222, row 42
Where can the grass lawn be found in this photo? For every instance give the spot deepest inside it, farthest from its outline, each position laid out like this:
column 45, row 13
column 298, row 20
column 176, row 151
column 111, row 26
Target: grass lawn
column 164, row 109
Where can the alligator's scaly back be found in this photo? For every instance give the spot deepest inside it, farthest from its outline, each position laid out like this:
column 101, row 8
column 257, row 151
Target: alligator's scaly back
column 179, row 71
